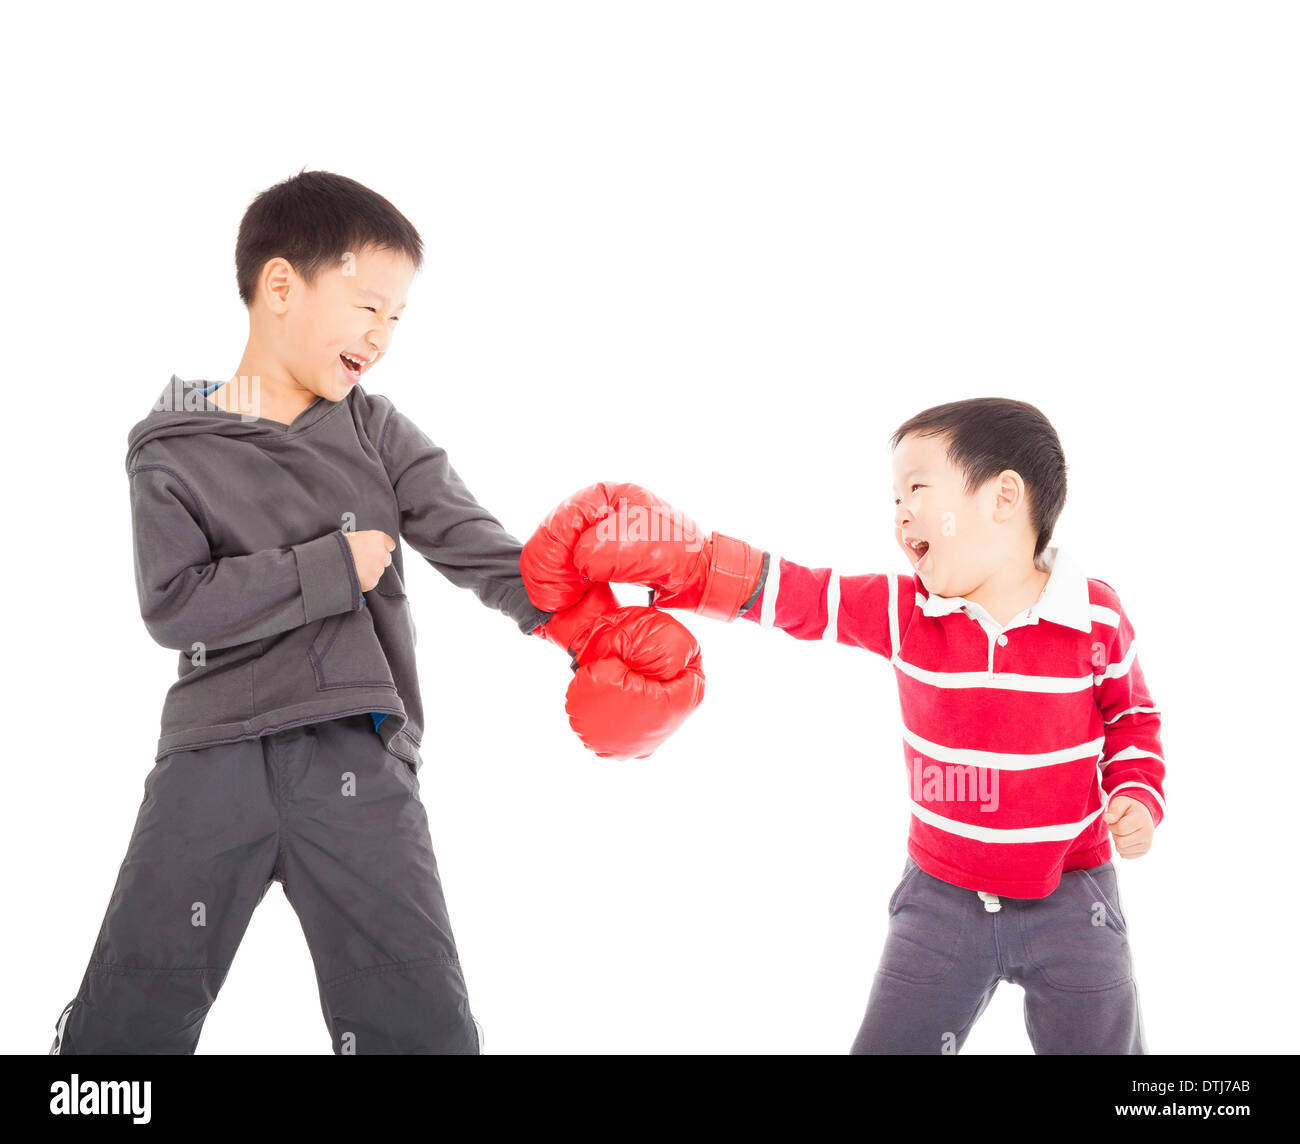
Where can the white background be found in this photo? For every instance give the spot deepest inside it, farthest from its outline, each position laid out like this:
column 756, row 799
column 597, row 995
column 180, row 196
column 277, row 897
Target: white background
column 722, row 250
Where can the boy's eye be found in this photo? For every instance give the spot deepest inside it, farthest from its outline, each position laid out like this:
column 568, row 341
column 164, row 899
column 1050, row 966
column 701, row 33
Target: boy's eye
column 915, row 487
column 372, row 310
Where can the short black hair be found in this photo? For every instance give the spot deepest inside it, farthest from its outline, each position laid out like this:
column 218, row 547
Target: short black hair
column 987, row 435
column 312, row 219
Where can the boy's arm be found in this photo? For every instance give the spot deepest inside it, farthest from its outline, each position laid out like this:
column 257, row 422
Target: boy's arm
column 187, row 597
column 621, row 533
column 443, row 522
column 1132, row 763
column 870, row 611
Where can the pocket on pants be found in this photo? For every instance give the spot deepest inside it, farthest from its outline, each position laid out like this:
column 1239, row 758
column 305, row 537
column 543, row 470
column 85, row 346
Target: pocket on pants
column 1076, row 935
column 926, row 927
column 909, row 872
column 411, row 778
column 363, row 741
column 1105, row 884
column 404, row 771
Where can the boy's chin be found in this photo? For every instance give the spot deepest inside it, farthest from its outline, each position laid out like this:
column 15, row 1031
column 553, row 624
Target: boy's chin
column 336, row 389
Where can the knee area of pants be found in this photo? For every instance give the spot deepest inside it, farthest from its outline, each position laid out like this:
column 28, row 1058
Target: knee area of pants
column 406, row 1008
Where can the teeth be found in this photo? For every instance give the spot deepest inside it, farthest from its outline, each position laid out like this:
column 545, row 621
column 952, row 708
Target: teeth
column 355, row 361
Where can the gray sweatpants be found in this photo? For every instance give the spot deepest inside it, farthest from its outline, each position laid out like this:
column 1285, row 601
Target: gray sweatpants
column 946, row 952
column 337, row 820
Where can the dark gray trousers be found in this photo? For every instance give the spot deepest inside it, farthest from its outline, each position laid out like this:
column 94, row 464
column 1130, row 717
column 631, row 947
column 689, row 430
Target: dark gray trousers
column 326, row 811
column 946, row 952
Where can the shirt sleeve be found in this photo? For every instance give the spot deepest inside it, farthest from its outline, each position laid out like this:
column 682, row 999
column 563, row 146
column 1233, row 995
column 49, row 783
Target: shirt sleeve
column 443, row 522
column 1132, row 763
column 871, row 610
column 187, row 597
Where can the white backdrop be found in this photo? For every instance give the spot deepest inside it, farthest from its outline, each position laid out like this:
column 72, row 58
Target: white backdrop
column 722, row 250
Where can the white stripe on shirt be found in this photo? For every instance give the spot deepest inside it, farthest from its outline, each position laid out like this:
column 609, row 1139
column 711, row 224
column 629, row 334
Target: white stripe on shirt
column 832, row 632
column 1003, row 680
column 1116, row 670
column 1134, row 711
column 1133, row 752
column 892, row 608
column 771, row 586
column 970, row 757
column 1104, row 615
column 1154, row 793
column 1064, row 832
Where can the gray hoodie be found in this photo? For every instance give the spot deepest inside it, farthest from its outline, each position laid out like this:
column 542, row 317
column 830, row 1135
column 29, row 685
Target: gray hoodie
column 243, row 566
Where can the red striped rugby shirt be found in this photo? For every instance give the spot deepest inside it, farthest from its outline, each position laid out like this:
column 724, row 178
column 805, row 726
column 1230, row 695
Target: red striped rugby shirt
column 1014, row 738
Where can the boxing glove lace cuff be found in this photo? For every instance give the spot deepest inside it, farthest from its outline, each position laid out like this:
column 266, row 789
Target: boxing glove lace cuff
column 733, row 570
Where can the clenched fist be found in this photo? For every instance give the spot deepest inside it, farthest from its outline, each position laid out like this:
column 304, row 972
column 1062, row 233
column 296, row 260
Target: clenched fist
column 370, row 549
column 1130, row 825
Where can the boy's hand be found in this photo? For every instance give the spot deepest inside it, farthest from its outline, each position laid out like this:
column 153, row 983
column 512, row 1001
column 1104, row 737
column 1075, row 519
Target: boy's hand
column 1131, row 828
column 370, row 549
column 613, row 533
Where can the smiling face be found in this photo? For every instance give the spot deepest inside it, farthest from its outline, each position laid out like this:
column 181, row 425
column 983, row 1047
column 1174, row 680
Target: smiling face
column 350, row 311
column 953, row 540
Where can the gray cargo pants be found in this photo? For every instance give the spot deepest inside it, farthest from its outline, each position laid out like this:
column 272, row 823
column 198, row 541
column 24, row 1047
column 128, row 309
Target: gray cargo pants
column 948, row 948
column 326, row 811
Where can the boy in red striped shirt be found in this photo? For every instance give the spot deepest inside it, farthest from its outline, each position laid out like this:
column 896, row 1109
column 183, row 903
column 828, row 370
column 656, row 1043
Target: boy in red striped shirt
column 1030, row 739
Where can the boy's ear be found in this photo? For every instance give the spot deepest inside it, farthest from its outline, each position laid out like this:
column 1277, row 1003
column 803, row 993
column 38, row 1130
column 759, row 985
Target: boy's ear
column 275, row 283
column 1011, row 493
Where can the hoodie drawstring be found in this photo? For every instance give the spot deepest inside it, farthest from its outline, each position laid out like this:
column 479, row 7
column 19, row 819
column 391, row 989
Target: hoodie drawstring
column 991, row 903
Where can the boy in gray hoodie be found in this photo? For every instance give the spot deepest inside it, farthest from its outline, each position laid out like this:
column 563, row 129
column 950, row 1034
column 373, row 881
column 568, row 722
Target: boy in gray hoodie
column 264, row 511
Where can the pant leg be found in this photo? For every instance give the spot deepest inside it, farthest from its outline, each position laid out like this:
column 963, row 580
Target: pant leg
column 198, row 862
column 937, row 973
column 1080, row 995
column 358, row 867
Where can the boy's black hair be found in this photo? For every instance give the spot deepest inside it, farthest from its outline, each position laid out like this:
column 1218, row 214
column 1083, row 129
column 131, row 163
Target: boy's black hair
column 987, row 435
column 312, row 219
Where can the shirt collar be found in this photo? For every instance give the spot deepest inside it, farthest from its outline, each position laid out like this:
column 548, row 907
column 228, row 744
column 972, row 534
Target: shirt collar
column 1064, row 600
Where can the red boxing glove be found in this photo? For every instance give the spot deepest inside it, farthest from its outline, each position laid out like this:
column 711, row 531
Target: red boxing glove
column 637, row 673
column 618, row 533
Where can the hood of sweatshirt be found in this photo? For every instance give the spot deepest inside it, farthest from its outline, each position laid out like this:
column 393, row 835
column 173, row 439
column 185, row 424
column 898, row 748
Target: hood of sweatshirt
column 182, row 408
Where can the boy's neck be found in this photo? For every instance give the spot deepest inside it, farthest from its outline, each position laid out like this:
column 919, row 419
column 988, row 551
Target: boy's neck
column 1010, row 591
column 251, row 391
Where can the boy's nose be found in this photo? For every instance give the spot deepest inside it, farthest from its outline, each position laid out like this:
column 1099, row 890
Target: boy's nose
column 379, row 338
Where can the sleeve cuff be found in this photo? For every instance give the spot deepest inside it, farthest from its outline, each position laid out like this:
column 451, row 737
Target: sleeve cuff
column 328, row 576
column 1145, row 797
column 524, row 612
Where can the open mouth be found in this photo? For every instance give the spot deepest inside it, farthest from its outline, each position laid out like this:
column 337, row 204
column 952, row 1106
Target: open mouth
column 918, row 549
column 352, row 366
